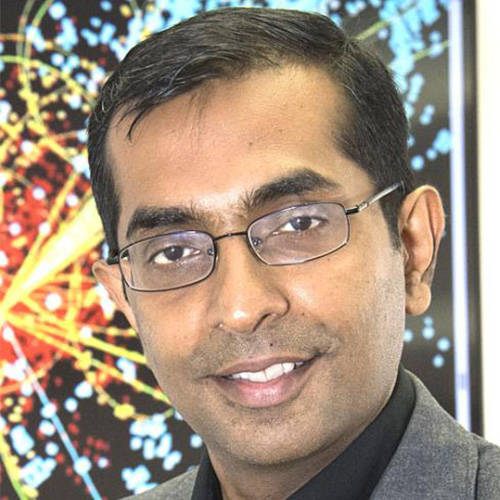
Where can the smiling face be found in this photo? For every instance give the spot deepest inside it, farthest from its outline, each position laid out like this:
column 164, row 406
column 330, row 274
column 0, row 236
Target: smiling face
column 334, row 325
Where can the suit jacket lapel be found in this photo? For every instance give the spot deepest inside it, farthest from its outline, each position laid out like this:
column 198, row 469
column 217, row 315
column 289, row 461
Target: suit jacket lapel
column 436, row 458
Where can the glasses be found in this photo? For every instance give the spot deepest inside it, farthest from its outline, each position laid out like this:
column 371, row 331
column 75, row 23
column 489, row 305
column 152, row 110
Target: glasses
column 293, row 235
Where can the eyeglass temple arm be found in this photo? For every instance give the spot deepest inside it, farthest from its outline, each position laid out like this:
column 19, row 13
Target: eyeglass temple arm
column 373, row 199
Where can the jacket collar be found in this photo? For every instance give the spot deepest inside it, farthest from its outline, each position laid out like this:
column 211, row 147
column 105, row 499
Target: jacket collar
column 436, row 458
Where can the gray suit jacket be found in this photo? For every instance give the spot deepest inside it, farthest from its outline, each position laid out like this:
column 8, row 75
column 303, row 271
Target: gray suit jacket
column 436, row 460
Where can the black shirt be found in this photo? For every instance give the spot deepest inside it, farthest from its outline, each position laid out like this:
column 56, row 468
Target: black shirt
column 354, row 474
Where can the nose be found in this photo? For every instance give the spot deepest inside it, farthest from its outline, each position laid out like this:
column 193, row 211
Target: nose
column 244, row 294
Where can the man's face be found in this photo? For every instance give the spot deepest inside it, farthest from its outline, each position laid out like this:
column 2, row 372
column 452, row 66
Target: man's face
column 208, row 152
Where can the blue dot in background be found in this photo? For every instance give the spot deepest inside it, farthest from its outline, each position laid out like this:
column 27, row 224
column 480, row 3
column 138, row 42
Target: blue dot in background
column 81, row 78
column 428, row 332
column 442, row 143
column 172, row 459
column 57, row 10
column 82, row 465
column 425, row 119
column 164, row 446
column 51, row 448
column 26, row 387
column 106, row 5
column 436, row 49
column 417, row 163
column 427, row 115
column 136, row 443
column 71, row 404
column 48, row 410
column 84, row 390
column 444, row 344
column 57, row 60
column 435, row 36
column 438, row 361
column 431, row 154
column 195, row 441
column 408, row 336
column 383, row 34
column 47, row 428
column 95, row 22
column 148, row 451
column 351, row 8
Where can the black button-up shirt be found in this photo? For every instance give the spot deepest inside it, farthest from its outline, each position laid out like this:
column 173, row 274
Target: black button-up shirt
column 354, row 474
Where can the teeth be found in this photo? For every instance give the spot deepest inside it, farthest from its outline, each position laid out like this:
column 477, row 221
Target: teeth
column 271, row 373
column 274, row 371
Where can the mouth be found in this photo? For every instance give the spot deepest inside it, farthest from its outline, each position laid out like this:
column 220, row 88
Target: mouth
column 270, row 373
column 265, row 383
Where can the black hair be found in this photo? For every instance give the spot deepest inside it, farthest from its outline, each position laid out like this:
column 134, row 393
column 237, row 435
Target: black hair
column 228, row 43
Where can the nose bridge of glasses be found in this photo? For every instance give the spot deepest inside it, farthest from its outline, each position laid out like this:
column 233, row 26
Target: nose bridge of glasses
column 253, row 245
column 229, row 235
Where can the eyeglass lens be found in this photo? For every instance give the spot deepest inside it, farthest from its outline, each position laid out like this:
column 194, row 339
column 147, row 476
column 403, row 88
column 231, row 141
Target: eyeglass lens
column 289, row 236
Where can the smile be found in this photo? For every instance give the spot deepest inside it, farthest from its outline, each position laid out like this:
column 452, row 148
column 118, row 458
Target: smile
column 273, row 372
column 265, row 383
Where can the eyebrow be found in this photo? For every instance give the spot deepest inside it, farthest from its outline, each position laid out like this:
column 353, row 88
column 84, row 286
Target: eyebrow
column 296, row 183
column 156, row 217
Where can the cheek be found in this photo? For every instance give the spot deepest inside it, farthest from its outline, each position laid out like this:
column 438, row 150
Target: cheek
column 359, row 298
column 168, row 329
column 328, row 289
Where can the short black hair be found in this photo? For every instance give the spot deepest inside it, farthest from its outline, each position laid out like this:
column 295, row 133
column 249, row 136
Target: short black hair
column 228, row 43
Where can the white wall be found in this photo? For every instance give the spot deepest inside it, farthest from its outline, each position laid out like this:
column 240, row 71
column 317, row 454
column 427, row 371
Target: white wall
column 488, row 63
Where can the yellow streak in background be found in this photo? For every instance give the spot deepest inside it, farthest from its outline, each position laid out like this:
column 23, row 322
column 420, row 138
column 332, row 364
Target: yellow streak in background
column 86, row 360
column 74, row 296
column 113, row 403
column 13, row 132
column 73, row 240
column 51, row 324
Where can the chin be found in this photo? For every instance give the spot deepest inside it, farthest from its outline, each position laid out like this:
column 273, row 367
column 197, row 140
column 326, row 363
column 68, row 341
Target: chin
column 274, row 443
column 269, row 455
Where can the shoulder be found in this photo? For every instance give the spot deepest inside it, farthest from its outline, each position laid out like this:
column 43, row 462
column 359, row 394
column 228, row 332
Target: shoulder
column 438, row 458
column 478, row 459
column 488, row 471
column 179, row 488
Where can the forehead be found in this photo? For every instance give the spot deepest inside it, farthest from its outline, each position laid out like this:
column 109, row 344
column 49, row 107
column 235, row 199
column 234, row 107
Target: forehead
column 211, row 146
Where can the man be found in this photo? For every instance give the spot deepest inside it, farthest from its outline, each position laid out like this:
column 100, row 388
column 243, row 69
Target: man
column 266, row 240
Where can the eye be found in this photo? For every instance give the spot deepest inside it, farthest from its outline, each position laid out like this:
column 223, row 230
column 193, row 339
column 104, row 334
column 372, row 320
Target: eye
column 173, row 254
column 299, row 224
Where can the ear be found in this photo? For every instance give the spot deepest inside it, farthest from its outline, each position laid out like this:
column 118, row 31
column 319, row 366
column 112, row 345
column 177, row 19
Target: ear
column 421, row 226
column 110, row 277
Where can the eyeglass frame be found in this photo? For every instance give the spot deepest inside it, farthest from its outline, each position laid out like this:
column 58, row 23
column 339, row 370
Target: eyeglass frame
column 356, row 209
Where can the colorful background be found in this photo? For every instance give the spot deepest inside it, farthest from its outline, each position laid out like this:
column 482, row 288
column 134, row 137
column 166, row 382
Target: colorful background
column 81, row 415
